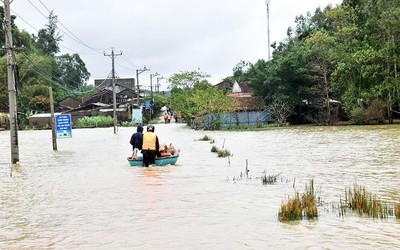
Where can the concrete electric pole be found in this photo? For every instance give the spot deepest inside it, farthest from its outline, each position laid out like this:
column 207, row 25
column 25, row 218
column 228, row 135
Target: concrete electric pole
column 12, row 95
column 267, row 2
column 112, row 56
column 158, row 83
column 138, row 72
column 151, row 84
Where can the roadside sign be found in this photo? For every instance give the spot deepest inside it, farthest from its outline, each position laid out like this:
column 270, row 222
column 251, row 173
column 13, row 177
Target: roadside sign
column 137, row 116
column 63, row 126
column 148, row 104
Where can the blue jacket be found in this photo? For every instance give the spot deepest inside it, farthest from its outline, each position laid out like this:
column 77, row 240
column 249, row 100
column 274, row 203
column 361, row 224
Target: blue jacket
column 137, row 138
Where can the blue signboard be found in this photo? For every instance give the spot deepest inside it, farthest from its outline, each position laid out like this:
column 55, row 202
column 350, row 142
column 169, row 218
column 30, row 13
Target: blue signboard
column 148, row 104
column 63, row 126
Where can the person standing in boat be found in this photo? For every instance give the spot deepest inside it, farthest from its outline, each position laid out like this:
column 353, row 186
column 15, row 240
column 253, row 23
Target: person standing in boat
column 150, row 146
column 137, row 141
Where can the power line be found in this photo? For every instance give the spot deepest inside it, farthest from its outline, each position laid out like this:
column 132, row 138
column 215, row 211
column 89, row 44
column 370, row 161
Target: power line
column 36, row 68
column 72, row 36
column 83, row 43
column 82, row 53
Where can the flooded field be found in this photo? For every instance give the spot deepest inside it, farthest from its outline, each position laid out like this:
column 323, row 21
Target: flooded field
column 86, row 196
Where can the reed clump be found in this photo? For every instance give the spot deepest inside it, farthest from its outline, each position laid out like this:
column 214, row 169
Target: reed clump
column 299, row 206
column 363, row 202
column 269, row 179
column 291, row 210
column 220, row 152
column 205, row 138
column 223, row 153
column 397, row 210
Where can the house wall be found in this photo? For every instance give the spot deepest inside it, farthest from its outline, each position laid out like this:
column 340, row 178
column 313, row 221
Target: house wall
column 240, row 118
column 40, row 122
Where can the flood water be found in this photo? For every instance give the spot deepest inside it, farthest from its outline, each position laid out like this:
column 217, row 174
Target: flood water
column 86, row 196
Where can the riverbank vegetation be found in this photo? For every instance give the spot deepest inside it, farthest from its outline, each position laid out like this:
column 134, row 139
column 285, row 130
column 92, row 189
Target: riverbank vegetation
column 338, row 64
column 40, row 66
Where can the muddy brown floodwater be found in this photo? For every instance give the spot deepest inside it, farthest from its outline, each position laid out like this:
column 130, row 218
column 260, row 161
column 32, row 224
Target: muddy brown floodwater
column 86, row 196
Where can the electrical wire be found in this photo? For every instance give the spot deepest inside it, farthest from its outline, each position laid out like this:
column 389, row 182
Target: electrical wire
column 36, row 68
column 73, row 37
column 79, row 40
column 30, row 25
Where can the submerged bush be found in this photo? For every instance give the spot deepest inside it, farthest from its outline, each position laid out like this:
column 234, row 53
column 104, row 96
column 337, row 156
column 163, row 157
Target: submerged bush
column 220, row 152
column 205, row 138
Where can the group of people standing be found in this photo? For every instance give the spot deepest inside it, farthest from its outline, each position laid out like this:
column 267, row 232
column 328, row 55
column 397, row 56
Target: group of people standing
column 147, row 143
column 168, row 115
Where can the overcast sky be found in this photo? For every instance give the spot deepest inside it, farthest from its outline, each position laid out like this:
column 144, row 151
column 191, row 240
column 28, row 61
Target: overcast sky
column 166, row 36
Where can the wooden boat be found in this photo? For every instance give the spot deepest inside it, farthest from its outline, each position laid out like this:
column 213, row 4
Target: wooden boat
column 162, row 161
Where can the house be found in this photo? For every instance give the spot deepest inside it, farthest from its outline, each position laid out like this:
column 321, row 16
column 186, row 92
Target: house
column 123, row 83
column 225, row 86
column 69, row 103
column 41, row 120
column 248, row 111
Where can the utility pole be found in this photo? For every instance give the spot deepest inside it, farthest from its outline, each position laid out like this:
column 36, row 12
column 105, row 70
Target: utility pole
column 52, row 120
column 12, row 96
column 138, row 72
column 158, row 83
column 151, row 84
column 112, row 56
column 267, row 2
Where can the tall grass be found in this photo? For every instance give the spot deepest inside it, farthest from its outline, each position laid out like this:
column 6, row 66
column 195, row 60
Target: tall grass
column 359, row 200
column 270, row 179
column 220, row 152
column 397, row 210
column 291, row 210
column 300, row 205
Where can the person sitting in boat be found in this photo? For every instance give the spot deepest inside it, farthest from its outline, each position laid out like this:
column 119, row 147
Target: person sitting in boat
column 136, row 141
column 150, row 146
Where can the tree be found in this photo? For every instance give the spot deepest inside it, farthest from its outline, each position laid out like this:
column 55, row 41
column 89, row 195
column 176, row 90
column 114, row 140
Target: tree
column 187, row 79
column 48, row 38
column 71, row 71
column 192, row 95
column 321, row 65
column 280, row 111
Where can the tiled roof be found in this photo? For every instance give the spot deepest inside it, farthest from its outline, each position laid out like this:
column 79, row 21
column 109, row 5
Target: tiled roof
column 245, row 87
column 248, row 103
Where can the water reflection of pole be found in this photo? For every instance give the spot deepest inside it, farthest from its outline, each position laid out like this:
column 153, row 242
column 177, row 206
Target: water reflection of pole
column 267, row 2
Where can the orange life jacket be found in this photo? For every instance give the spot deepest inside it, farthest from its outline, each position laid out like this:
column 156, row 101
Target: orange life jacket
column 149, row 141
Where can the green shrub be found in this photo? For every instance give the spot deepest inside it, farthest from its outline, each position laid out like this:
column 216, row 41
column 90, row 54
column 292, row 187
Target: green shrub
column 375, row 112
column 95, row 121
column 205, row 138
column 358, row 116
